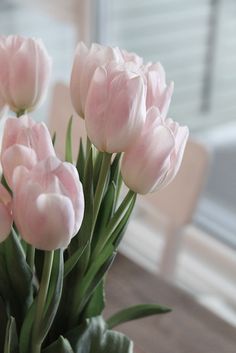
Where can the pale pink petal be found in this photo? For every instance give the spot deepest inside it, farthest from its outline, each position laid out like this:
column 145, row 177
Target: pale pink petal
column 15, row 156
column 147, row 161
column 95, row 108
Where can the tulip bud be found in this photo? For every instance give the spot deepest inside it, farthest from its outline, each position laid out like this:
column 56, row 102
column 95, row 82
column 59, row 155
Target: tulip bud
column 24, row 143
column 158, row 93
column 115, row 108
column 48, row 203
column 85, row 63
column 25, row 72
column 5, row 213
column 154, row 159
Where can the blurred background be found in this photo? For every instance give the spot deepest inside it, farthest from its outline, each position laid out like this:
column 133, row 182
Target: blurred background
column 196, row 43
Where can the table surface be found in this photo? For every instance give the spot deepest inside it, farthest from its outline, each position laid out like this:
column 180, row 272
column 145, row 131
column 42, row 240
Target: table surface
column 189, row 328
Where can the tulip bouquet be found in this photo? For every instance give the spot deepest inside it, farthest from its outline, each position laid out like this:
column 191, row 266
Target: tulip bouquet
column 61, row 221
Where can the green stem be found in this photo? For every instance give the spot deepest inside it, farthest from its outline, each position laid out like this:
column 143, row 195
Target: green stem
column 30, row 255
column 106, row 159
column 20, row 112
column 41, row 300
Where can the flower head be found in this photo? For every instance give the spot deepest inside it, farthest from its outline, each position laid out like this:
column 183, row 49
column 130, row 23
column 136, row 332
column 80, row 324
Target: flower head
column 48, row 203
column 25, row 72
column 154, row 159
column 25, row 142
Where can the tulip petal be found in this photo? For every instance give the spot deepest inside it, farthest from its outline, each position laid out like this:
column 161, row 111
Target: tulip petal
column 68, row 175
column 95, row 108
column 14, row 156
column 145, row 163
column 126, row 112
column 55, row 217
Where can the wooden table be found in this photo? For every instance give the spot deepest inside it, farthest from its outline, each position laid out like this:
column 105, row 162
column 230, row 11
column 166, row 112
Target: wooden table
column 190, row 328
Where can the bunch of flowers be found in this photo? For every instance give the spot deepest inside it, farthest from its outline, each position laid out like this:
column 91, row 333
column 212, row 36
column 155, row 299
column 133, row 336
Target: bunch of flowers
column 61, row 221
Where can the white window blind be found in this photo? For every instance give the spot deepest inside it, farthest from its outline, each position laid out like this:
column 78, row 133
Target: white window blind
column 196, row 43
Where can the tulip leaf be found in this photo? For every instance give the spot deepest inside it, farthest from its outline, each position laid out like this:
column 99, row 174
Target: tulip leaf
column 116, row 176
column 136, row 312
column 85, row 231
column 68, row 152
column 54, row 136
column 21, row 279
column 62, row 345
column 105, row 213
column 97, row 167
column 11, row 338
column 90, row 281
column 93, row 336
column 73, row 259
column 26, row 329
column 3, row 323
column 120, row 229
column 54, row 293
column 96, row 304
column 120, row 212
column 5, row 290
column 115, row 168
column 80, row 163
column 95, row 275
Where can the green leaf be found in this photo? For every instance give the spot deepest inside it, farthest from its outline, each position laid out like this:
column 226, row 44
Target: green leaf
column 136, row 312
column 90, row 281
column 115, row 168
column 54, row 138
column 93, row 336
column 73, row 259
column 21, row 279
column 105, row 213
column 95, row 275
column 85, row 231
column 62, row 345
column 120, row 212
column 97, row 167
column 68, row 152
column 80, row 163
column 26, row 329
column 11, row 339
column 120, row 229
column 96, row 304
column 54, row 292
column 3, row 323
column 115, row 229
column 5, row 290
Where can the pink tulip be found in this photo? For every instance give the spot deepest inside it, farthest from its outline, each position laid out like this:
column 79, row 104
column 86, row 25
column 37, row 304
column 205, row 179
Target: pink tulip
column 158, row 93
column 131, row 57
column 86, row 62
column 154, row 159
column 115, row 107
column 24, row 143
column 25, row 72
column 5, row 213
column 48, row 203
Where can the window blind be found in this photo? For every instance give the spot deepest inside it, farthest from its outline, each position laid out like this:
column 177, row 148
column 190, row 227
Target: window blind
column 196, row 43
